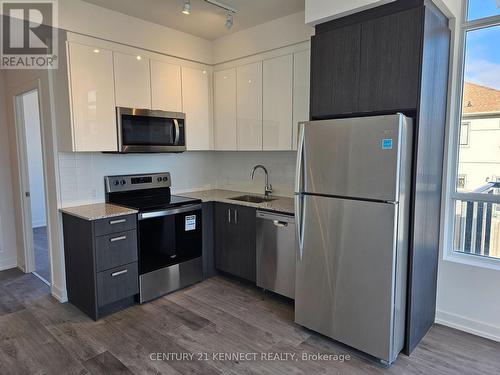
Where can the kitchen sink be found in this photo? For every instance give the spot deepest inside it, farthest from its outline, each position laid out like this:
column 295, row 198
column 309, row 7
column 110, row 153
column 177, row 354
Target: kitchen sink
column 252, row 199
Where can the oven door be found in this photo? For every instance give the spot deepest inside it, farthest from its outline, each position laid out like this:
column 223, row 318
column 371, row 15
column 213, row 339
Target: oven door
column 169, row 237
column 142, row 130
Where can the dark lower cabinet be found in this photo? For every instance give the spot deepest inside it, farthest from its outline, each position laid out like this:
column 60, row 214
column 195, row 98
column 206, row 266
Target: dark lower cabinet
column 101, row 263
column 235, row 231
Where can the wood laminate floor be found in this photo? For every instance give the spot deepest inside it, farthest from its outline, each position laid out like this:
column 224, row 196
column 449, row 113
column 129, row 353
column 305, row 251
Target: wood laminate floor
column 38, row 335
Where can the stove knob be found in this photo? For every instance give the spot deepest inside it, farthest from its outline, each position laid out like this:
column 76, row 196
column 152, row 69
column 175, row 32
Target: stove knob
column 165, row 179
column 116, row 182
column 123, row 182
column 158, row 179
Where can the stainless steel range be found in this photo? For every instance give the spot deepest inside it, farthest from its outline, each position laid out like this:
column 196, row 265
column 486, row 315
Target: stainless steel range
column 169, row 232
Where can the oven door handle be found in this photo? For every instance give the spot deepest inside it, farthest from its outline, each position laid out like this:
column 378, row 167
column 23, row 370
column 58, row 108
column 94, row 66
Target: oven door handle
column 177, row 132
column 172, row 211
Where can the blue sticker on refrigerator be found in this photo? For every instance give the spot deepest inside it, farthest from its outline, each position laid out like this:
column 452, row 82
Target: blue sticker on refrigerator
column 387, row 144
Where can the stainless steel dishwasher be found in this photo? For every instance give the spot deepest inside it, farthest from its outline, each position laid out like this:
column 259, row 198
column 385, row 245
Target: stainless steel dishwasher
column 276, row 253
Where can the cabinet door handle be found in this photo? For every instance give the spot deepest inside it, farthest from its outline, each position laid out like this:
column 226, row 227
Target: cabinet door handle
column 228, row 215
column 121, row 238
column 119, row 221
column 236, row 216
column 118, row 273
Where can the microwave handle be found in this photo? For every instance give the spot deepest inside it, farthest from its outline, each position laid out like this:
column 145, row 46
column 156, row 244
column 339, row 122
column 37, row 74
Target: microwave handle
column 177, row 132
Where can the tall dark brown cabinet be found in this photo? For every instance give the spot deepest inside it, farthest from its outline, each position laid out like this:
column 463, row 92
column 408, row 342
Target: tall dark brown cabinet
column 394, row 58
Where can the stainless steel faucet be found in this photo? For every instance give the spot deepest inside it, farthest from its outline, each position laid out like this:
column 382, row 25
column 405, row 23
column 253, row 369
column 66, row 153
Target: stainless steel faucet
column 268, row 189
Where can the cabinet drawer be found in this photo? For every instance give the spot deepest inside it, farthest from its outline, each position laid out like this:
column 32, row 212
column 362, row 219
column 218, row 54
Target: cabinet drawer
column 114, row 224
column 117, row 249
column 117, row 283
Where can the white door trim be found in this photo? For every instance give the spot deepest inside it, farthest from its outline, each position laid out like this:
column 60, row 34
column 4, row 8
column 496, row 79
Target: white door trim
column 23, row 176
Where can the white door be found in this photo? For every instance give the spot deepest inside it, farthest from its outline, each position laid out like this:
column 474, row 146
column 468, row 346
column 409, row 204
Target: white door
column 225, row 110
column 92, row 98
column 196, row 104
column 301, row 84
column 166, row 86
column 277, row 103
column 132, row 81
column 249, row 106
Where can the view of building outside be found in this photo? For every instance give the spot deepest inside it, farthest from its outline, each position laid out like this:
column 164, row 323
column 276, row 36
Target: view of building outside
column 477, row 195
column 477, row 227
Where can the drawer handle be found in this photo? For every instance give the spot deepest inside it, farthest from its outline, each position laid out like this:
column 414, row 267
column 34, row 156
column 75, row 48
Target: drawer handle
column 121, row 238
column 280, row 223
column 112, row 222
column 114, row 274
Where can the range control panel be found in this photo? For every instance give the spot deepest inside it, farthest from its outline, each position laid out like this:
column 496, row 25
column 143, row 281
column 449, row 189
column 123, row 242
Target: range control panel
column 137, row 182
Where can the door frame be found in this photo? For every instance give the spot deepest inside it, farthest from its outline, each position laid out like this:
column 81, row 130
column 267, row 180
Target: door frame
column 22, row 167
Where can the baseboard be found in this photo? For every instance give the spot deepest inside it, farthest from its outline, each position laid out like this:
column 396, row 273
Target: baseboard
column 60, row 294
column 468, row 325
column 6, row 264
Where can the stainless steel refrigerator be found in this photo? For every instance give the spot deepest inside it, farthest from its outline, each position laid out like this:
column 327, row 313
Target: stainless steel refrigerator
column 352, row 199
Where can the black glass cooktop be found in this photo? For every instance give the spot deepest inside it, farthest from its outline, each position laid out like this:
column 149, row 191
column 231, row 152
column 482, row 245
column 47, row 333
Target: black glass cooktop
column 149, row 200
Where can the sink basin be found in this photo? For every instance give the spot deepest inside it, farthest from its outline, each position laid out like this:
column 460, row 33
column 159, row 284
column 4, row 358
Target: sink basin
column 252, row 199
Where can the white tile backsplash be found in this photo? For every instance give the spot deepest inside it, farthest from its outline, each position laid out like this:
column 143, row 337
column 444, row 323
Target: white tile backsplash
column 82, row 174
column 233, row 171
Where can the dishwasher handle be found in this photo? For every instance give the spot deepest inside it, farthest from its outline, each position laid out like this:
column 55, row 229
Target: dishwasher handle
column 281, row 224
column 280, row 220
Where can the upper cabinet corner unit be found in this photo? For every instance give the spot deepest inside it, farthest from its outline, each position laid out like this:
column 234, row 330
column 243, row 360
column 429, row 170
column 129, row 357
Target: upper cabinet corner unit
column 100, row 76
column 367, row 63
column 258, row 103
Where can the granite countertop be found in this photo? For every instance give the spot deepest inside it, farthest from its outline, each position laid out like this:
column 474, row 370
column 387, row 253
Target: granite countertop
column 97, row 211
column 279, row 204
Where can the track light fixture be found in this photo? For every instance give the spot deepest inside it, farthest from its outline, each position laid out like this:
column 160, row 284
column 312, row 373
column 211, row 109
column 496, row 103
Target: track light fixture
column 187, row 7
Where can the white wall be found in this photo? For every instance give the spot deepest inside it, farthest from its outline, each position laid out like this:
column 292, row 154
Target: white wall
column 81, row 17
column 274, row 34
column 35, row 159
column 319, row 11
column 8, row 241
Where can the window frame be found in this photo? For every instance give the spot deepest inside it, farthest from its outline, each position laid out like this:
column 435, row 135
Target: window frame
column 450, row 177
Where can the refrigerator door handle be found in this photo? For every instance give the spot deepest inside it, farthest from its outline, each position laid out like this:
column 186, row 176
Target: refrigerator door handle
column 300, row 162
column 298, row 189
column 300, row 226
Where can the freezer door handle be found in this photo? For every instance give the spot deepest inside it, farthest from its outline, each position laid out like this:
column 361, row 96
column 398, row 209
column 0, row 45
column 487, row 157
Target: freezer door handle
column 300, row 162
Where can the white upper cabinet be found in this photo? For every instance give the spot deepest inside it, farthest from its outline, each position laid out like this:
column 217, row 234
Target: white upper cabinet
column 277, row 103
column 92, row 99
column 132, row 81
column 166, row 86
column 196, row 104
column 249, row 106
column 301, row 84
column 225, row 110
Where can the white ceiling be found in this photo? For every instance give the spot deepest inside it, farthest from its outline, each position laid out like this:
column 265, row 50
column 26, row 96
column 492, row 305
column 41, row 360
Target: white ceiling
column 206, row 21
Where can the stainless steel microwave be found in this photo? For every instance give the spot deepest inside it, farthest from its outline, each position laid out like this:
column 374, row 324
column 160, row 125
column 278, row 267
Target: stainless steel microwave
column 145, row 130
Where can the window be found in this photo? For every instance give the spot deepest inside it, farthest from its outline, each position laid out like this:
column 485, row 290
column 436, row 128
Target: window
column 476, row 193
column 462, row 180
column 464, row 134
